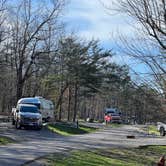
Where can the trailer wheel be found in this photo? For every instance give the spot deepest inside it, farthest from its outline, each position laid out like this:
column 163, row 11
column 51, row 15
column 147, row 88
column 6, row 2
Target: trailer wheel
column 13, row 121
column 162, row 131
column 39, row 128
column 18, row 125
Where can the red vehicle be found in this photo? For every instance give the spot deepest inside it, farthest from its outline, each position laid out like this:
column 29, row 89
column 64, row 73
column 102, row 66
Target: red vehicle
column 112, row 115
column 107, row 118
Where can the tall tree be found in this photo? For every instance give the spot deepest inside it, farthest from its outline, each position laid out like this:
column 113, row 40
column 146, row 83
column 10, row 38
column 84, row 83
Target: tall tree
column 31, row 29
column 78, row 69
column 148, row 46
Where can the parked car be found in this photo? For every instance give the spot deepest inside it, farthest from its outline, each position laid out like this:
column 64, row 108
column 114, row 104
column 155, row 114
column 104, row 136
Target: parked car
column 26, row 115
column 161, row 127
column 46, row 107
column 112, row 115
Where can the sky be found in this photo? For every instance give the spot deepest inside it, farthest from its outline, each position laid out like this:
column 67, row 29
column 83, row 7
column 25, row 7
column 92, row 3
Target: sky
column 90, row 19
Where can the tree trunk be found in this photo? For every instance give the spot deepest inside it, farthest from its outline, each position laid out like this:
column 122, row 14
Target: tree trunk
column 75, row 102
column 85, row 116
column 60, row 112
column 59, row 101
column 69, row 104
column 19, row 83
column 3, row 104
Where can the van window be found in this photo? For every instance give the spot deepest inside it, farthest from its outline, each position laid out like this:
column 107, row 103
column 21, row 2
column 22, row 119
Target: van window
column 29, row 109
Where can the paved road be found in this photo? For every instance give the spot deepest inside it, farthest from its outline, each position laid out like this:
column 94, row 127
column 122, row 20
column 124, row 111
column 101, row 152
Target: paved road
column 39, row 143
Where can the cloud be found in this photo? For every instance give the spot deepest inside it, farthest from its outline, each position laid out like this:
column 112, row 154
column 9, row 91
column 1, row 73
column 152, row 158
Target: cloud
column 90, row 20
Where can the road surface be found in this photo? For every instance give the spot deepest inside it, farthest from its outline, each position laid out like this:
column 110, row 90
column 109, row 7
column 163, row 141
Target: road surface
column 33, row 144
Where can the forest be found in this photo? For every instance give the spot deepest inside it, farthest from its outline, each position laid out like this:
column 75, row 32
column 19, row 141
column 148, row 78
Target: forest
column 38, row 58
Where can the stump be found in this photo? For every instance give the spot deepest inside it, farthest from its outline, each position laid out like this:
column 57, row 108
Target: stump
column 131, row 136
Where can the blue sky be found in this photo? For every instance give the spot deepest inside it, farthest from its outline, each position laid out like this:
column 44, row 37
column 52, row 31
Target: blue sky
column 89, row 19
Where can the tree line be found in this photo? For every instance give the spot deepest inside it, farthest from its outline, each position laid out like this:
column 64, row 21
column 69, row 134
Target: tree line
column 38, row 59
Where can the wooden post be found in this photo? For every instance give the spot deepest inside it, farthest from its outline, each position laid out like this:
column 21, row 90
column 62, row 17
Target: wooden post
column 77, row 124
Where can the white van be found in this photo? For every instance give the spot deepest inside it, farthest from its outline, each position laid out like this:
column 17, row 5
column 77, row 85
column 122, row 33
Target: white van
column 46, row 107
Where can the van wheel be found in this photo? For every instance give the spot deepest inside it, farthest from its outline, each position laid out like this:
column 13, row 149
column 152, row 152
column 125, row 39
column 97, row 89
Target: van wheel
column 18, row 125
column 39, row 128
column 162, row 131
column 48, row 119
column 13, row 122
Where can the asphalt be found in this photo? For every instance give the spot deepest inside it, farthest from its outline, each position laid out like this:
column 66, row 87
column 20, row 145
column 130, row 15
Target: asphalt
column 35, row 144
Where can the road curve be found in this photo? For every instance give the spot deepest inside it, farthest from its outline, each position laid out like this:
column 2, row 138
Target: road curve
column 34, row 144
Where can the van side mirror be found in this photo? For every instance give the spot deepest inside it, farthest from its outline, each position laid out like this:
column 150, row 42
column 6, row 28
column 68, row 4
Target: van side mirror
column 17, row 111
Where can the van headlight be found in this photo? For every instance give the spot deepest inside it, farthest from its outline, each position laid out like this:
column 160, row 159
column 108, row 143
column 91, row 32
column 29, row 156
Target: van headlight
column 21, row 117
column 40, row 119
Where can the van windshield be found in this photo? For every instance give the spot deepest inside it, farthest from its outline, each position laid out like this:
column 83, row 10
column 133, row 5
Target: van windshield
column 29, row 109
column 36, row 104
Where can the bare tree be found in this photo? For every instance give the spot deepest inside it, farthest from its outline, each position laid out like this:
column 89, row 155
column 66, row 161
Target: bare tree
column 6, row 74
column 149, row 44
column 32, row 26
column 151, row 14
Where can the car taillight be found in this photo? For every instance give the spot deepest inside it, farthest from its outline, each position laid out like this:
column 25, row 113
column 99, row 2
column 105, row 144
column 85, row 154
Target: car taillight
column 107, row 118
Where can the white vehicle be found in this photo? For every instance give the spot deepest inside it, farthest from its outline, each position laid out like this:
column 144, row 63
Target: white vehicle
column 161, row 127
column 27, row 115
column 46, row 107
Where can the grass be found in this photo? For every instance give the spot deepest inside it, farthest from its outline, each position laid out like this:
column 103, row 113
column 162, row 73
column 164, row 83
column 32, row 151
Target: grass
column 142, row 156
column 153, row 130
column 5, row 140
column 115, row 125
column 67, row 130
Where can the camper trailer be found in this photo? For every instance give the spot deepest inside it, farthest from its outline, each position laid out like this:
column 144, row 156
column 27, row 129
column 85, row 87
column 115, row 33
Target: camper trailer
column 46, row 107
